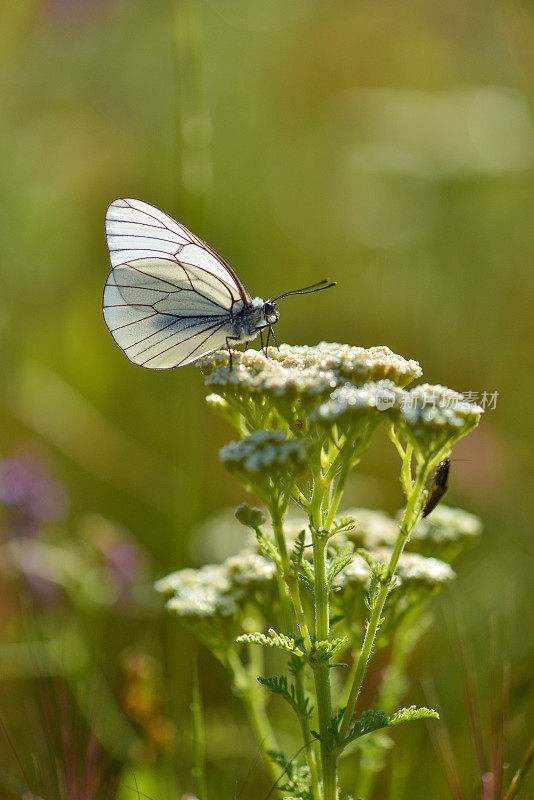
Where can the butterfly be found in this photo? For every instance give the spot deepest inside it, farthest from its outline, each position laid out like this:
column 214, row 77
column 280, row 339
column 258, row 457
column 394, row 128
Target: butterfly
column 169, row 298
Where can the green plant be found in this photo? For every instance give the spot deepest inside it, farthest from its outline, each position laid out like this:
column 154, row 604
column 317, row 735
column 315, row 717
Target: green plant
column 324, row 590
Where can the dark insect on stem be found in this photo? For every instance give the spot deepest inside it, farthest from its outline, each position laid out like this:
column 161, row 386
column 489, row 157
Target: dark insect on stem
column 439, row 486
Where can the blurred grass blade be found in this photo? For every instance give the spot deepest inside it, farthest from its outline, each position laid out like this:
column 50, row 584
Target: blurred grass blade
column 193, row 122
column 199, row 739
column 439, row 736
column 519, row 777
column 55, row 410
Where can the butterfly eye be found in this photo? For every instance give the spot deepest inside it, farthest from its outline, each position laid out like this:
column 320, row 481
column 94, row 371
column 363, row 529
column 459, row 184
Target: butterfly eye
column 271, row 312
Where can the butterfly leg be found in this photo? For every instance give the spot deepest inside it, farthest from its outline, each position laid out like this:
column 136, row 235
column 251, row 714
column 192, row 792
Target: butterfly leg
column 274, row 337
column 264, row 348
column 229, row 353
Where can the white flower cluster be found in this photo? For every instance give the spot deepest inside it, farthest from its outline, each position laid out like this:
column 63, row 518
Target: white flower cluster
column 248, row 568
column 354, row 364
column 265, row 451
column 444, row 535
column 256, row 375
column 434, row 417
column 306, row 371
column 349, row 402
column 198, row 593
column 412, row 569
column 436, row 406
column 218, row 590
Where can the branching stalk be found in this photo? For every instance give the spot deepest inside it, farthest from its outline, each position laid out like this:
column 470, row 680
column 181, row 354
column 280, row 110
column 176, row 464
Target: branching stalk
column 409, row 520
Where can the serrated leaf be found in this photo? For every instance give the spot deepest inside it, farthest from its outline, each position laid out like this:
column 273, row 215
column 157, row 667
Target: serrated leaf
column 278, row 684
column 407, row 714
column 271, row 639
column 375, row 720
column 337, row 566
column 324, row 650
column 267, row 548
column 307, row 575
column 343, row 524
column 368, row 722
column 297, row 553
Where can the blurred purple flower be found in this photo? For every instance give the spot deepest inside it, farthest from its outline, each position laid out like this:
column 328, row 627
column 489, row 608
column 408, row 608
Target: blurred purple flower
column 31, row 496
column 124, row 562
column 67, row 9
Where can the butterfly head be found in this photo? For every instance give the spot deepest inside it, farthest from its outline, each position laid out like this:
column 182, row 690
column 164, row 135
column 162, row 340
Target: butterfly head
column 270, row 312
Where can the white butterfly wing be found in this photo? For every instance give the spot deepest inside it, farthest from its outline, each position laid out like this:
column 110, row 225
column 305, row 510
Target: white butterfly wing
column 136, row 230
column 168, row 298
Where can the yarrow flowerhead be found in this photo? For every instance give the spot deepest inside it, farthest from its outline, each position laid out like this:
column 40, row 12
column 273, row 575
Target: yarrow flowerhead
column 354, row 364
column 416, row 579
column 284, row 385
column 413, row 569
column 198, row 593
column 250, row 569
column 444, row 535
column 266, row 461
column 434, row 417
column 349, row 403
column 352, row 413
column 216, row 599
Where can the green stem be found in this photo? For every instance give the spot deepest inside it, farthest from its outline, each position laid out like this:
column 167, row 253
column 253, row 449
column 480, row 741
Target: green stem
column 406, row 458
column 322, row 671
column 410, row 518
column 351, row 675
column 288, row 584
column 336, row 499
column 294, row 592
column 307, row 739
column 300, row 498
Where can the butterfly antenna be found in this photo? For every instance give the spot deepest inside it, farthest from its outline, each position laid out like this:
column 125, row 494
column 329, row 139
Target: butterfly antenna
column 314, row 287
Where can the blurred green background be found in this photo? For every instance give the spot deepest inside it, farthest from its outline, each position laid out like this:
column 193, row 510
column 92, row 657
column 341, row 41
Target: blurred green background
column 389, row 146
